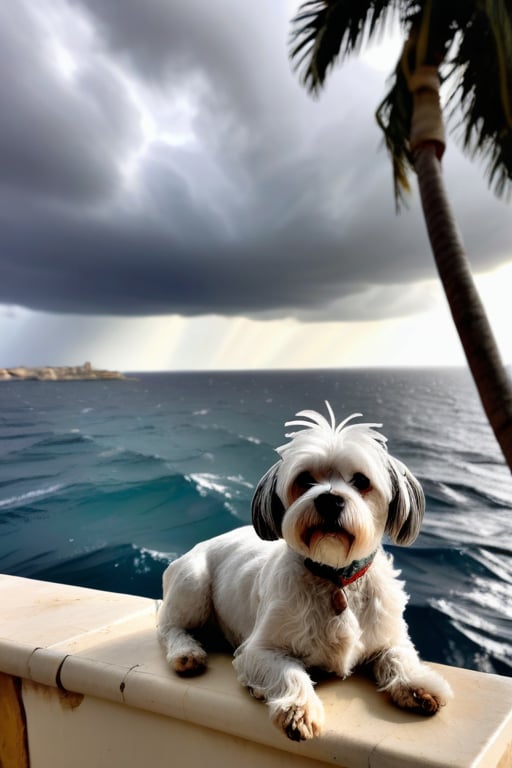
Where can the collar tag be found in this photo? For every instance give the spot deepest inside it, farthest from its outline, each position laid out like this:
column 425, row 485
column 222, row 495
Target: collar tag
column 339, row 601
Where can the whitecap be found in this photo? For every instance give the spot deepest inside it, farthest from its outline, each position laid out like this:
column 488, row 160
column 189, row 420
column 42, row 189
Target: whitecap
column 208, row 482
column 144, row 557
column 18, row 501
column 250, row 439
column 442, row 492
column 109, row 452
column 156, row 554
column 239, row 480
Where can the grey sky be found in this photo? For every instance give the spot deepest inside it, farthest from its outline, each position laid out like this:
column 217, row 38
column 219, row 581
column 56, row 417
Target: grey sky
column 161, row 157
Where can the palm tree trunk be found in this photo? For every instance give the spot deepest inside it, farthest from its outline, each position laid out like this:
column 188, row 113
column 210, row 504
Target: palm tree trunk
column 493, row 384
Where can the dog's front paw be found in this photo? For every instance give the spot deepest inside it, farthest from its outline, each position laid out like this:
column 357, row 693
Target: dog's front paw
column 426, row 703
column 417, row 700
column 300, row 721
column 189, row 664
column 411, row 684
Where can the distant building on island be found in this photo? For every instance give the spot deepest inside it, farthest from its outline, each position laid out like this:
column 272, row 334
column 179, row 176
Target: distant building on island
column 83, row 372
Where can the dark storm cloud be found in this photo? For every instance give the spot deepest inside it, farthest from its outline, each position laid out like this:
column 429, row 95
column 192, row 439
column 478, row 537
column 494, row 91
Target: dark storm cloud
column 56, row 140
column 260, row 202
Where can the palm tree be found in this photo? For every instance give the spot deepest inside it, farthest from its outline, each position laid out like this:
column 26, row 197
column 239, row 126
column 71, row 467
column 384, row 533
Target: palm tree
column 467, row 43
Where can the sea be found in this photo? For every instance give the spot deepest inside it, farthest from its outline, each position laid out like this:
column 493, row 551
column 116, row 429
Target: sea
column 103, row 483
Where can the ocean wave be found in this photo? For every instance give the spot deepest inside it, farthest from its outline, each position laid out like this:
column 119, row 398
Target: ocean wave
column 22, row 478
column 24, row 434
column 498, row 563
column 234, row 491
column 29, row 496
column 123, row 566
column 206, row 482
column 484, row 630
column 165, row 503
column 155, row 554
column 468, row 529
column 67, row 439
column 224, row 437
column 442, row 493
column 250, row 439
column 112, row 490
column 441, row 637
column 54, row 446
column 460, row 604
column 481, row 496
column 129, row 458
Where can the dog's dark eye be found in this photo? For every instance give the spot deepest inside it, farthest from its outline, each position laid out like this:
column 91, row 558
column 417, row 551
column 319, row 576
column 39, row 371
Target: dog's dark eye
column 304, row 481
column 360, row 482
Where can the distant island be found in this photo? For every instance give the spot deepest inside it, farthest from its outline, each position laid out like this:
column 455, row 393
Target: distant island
column 83, row 372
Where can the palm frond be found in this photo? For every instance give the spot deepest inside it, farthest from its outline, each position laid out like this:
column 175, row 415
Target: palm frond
column 433, row 27
column 394, row 116
column 325, row 30
column 482, row 91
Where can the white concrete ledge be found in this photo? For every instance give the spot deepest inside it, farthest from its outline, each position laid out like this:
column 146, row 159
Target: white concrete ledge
column 96, row 691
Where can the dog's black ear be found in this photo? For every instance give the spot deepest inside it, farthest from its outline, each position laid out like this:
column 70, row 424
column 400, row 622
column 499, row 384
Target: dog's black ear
column 407, row 506
column 267, row 507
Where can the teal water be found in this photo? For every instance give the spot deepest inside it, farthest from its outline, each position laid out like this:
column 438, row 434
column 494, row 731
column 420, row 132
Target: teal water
column 102, row 483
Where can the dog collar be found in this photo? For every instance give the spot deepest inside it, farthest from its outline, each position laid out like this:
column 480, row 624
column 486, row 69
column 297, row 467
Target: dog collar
column 340, row 577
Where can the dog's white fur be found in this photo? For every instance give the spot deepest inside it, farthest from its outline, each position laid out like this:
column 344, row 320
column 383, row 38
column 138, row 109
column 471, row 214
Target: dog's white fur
column 280, row 616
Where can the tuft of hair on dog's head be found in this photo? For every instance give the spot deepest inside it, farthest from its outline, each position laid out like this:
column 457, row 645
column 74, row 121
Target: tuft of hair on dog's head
column 320, row 440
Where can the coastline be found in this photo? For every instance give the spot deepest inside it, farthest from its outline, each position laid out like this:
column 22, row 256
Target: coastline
column 58, row 373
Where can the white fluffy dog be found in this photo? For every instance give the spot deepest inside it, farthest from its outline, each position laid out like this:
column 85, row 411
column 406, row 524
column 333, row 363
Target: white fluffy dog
column 316, row 590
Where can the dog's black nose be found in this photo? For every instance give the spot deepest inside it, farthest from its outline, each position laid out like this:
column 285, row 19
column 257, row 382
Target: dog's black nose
column 329, row 505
